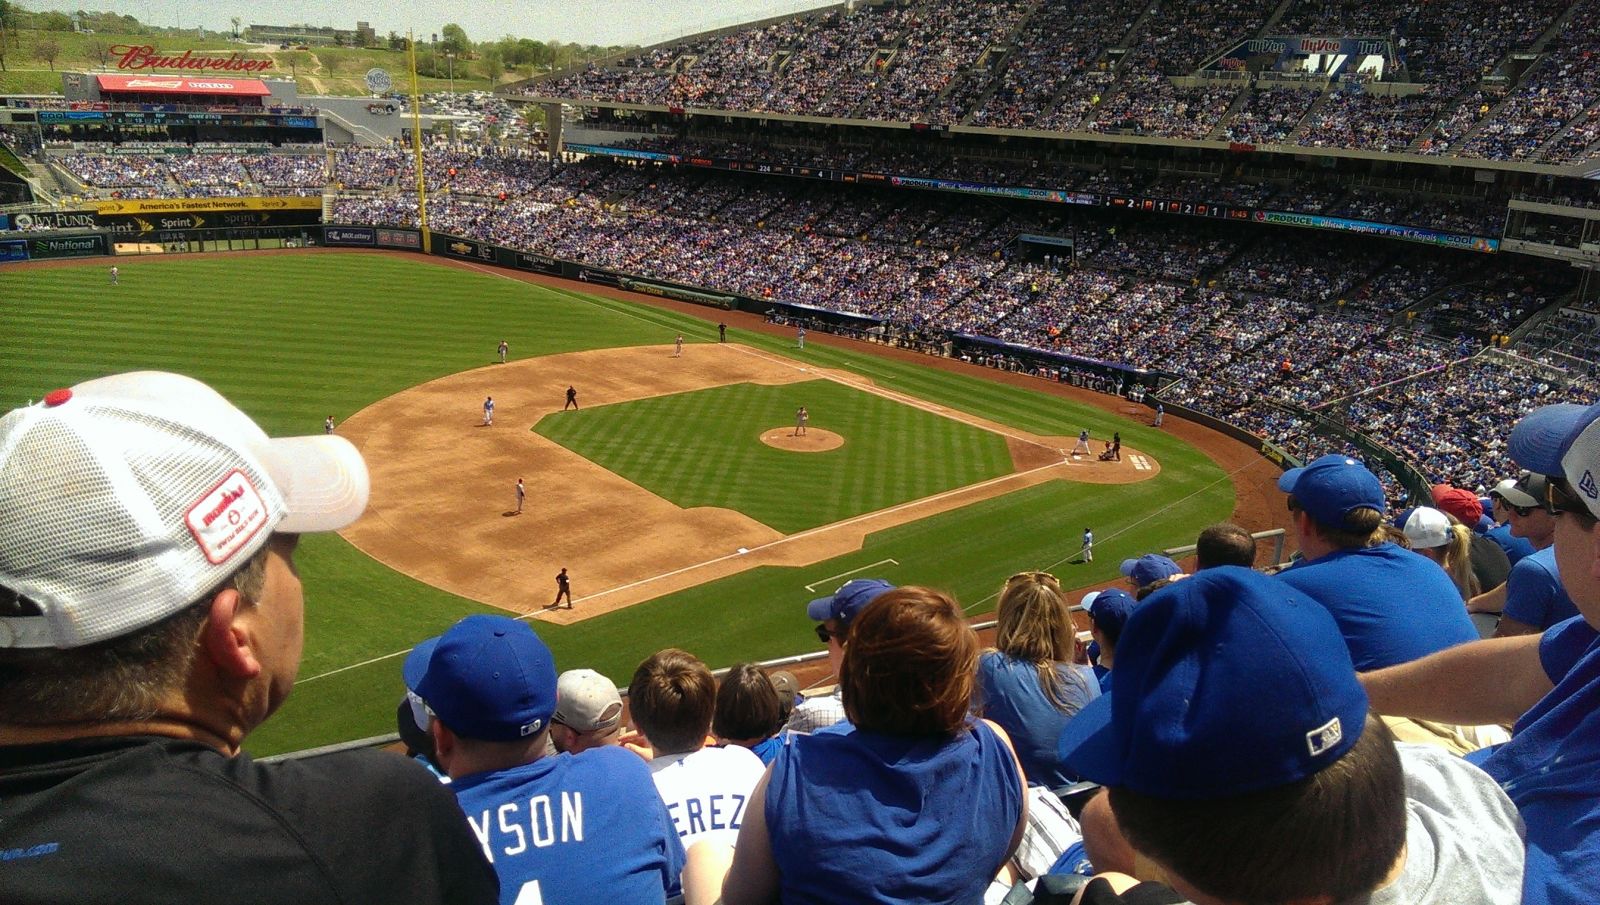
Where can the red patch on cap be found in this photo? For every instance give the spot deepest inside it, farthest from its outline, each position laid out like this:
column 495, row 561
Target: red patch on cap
column 57, row 397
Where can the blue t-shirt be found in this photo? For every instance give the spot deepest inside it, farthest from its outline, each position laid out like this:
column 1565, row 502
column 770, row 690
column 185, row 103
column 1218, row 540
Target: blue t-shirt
column 574, row 828
column 1516, row 547
column 863, row 817
column 1009, row 693
column 1551, row 771
column 1534, row 593
column 1392, row 605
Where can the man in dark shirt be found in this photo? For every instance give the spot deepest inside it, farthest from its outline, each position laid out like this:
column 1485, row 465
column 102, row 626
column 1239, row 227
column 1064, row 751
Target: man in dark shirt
column 150, row 618
column 572, row 399
column 563, row 589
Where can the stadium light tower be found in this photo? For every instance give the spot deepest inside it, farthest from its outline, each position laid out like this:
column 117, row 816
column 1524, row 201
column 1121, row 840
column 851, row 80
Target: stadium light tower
column 450, row 57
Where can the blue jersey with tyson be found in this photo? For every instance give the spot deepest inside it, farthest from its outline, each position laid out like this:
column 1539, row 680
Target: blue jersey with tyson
column 574, row 828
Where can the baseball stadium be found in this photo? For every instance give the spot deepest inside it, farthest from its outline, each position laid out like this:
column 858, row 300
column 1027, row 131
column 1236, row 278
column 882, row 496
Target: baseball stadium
column 944, row 294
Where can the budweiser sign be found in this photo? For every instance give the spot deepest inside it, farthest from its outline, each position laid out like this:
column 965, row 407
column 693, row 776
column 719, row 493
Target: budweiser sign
column 145, row 56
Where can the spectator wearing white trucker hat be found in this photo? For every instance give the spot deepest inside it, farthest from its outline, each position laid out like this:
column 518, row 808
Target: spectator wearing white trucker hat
column 150, row 618
column 1548, row 683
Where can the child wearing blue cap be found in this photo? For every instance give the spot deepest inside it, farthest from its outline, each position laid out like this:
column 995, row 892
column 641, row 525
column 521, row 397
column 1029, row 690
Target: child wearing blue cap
column 1242, row 765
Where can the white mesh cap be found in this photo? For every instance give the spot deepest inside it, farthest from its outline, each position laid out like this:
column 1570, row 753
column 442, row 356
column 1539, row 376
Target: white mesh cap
column 127, row 498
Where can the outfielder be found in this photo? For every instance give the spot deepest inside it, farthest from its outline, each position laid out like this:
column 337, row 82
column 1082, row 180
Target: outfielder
column 1088, row 546
column 115, row 275
column 488, row 410
column 327, row 425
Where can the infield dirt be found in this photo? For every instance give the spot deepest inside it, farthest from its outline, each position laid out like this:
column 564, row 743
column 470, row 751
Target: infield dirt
column 443, row 507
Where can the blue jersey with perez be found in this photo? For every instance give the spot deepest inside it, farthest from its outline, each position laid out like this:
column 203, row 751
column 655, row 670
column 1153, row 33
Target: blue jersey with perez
column 574, row 828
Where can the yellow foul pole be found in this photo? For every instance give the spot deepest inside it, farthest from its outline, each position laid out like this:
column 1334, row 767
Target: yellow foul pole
column 416, row 148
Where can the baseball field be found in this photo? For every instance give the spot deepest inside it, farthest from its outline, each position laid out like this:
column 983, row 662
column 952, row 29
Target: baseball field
column 676, row 493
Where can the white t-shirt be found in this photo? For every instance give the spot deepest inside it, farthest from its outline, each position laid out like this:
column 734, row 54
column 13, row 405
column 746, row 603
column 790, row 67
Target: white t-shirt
column 706, row 792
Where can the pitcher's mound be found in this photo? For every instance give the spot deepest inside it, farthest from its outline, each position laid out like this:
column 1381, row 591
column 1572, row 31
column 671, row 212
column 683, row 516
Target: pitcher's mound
column 815, row 439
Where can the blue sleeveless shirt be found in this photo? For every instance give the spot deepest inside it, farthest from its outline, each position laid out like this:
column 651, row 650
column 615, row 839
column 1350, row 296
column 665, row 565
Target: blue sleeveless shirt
column 858, row 817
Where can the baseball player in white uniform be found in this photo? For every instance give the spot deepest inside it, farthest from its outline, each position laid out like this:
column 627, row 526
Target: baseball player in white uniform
column 1081, row 448
column 116, row 275
column 801, row 416
column 488, row 410
column 504, row 348
column 522, row 492
column 677, row 347
column 327, row 425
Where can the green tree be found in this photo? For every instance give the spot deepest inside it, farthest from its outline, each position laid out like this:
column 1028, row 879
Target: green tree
column 45, row 50
column 493, row 64
column 53, row 21
column 453, row 38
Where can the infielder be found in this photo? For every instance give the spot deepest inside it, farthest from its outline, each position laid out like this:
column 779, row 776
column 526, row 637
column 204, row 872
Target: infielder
column 1081, row 448
column 563, row 589
column 677, row 347
column 488, row 410
column 801, row 416
column 521, row 493
column 572, row 399
column 1088, row 546
column 504, row 348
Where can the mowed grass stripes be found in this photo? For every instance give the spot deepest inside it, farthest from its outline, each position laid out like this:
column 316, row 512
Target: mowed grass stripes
column 704, row 449
column 294, row 337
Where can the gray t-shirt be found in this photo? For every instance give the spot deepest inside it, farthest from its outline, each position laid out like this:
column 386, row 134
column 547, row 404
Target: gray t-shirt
column 1463, row 836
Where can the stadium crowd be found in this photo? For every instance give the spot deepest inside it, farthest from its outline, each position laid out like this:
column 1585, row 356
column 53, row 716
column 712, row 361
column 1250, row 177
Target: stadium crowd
column 198, row 174
column 1243, row 320
column 1051, row 68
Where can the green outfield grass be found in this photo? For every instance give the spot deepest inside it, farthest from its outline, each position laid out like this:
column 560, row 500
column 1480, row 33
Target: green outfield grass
column 292, row 338
column 704, row 449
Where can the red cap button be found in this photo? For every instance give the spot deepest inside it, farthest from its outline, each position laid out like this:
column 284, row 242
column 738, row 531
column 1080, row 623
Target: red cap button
column 57, row 397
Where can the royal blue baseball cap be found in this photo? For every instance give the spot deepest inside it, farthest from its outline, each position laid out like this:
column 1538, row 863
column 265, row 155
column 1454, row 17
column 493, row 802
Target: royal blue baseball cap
column 491, row 678
column 1332, row 487
column 1227, row 682
column 416, row 664
column 1109, row 611
column 851, row 598
column 1564, row 440
column 1149, row 568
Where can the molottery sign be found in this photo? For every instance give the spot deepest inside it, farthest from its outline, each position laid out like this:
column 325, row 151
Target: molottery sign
column 133, row 57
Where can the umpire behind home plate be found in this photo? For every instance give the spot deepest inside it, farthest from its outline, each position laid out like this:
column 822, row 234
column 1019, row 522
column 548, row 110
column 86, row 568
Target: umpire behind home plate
column 150, row 618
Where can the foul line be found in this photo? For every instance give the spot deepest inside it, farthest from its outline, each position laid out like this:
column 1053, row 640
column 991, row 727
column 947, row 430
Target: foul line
column 812, row 587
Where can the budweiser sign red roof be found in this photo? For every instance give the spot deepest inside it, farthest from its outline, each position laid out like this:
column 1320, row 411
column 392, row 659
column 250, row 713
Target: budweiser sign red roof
column 145, row 56
column 172, row 84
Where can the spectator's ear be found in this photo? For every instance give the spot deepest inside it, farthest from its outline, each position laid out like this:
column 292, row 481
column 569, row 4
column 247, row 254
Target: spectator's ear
column 446, row 744
column 225, row 639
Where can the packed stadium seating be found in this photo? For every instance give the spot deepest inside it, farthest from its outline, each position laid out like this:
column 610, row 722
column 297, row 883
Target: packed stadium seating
column 1245, row 320
column 1062, row 68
